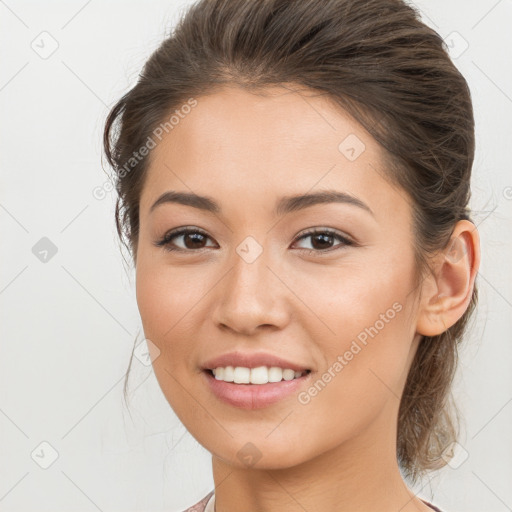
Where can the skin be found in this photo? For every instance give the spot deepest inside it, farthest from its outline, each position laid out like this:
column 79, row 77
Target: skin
column 247, row 150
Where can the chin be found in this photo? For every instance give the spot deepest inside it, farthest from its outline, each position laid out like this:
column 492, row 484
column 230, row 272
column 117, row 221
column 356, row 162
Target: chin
column 258, row 453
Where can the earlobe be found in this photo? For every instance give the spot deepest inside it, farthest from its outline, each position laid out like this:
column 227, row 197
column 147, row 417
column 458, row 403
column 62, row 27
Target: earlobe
column 446, row 294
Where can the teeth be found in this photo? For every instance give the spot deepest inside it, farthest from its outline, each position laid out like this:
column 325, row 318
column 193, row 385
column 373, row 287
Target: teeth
column 288, row 374
column 229, row 374
column 259, row 375
column 241, row 375
column 275, row 374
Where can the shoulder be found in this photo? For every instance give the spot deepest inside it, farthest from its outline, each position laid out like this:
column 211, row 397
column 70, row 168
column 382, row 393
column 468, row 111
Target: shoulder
column 200, row 505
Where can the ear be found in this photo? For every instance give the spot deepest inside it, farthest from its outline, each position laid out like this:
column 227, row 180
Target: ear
column 446, row 294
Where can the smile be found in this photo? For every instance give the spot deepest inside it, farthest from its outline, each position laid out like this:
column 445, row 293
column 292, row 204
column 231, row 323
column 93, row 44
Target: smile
column 248, row 395
column 258, row 375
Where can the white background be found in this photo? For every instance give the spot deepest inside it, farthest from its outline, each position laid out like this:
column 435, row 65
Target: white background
column 67, row 326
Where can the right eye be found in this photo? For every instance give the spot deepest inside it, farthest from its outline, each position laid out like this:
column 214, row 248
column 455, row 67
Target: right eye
column 193, row 239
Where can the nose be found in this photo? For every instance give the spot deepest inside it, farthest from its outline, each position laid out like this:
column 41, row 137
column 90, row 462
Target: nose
column 251, row 297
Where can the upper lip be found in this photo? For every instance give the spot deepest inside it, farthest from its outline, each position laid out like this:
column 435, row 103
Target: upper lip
column 249, row 360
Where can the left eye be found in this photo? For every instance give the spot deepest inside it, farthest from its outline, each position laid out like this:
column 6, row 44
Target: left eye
column 322, row 240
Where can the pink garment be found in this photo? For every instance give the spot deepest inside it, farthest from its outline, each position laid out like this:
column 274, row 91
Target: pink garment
column 200, row 506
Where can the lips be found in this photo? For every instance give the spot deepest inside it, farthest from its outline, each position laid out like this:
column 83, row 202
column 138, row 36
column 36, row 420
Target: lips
column 254, row 396
column 254, row 360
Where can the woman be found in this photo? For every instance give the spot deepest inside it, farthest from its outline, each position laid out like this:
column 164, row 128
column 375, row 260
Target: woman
column 293, row 183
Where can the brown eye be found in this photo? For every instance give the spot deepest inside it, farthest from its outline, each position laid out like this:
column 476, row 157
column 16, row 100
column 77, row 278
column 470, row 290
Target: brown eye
column 189, row 239
column 194, row 240
column 322, row 240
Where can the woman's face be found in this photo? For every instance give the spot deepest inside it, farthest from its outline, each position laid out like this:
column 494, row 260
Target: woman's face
column 255, row 281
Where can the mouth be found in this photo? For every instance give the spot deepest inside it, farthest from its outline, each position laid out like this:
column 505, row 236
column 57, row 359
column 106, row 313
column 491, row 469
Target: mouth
column 254, row 393
column 258, row 376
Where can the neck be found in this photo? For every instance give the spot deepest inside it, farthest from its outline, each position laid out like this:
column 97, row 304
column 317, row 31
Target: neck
column 358, row 476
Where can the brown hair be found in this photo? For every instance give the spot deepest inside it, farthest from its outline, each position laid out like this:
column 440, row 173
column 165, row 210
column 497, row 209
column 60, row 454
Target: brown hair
column 383, row 66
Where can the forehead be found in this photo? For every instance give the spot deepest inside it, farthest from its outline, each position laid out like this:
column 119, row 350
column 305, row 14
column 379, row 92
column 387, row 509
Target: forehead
column 267, row 144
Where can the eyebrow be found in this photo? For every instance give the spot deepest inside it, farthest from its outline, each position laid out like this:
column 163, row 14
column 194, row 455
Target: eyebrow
column 285, row 205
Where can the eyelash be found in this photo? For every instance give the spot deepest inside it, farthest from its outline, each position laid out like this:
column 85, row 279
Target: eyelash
column 165, row 242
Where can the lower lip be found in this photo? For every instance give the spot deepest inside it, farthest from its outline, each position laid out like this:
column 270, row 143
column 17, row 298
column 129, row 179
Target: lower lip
column 253, row 396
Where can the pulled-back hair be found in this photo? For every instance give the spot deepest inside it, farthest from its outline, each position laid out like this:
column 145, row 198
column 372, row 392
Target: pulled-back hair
column 379, row 62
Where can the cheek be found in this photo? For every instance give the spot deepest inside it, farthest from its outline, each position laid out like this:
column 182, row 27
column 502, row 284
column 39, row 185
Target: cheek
column 352, row 297
column 162, row 302
column 365, row 346
column 362, row 380
column 166, row 298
